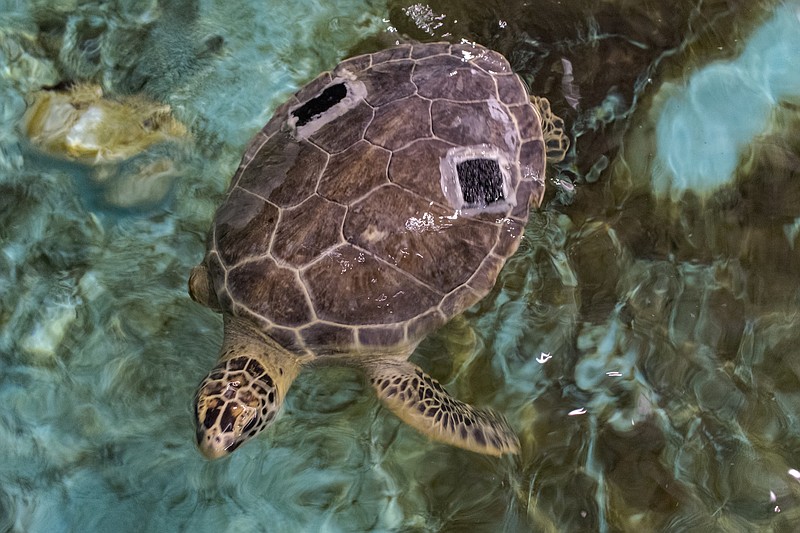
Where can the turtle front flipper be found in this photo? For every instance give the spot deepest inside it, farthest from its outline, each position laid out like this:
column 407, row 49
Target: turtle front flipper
column 420, row 401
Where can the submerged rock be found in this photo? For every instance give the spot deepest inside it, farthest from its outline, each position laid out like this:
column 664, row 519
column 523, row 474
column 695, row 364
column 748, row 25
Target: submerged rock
column 82, row 124
column 143, row 181
column 115, row 136
column 42, row 342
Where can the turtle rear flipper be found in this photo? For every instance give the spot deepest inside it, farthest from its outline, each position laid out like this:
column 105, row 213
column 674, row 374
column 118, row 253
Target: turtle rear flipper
column 420, row 401
column 556, row 141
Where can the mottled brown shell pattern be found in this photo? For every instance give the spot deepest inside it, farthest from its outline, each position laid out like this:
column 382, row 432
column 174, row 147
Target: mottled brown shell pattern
column 344, row 241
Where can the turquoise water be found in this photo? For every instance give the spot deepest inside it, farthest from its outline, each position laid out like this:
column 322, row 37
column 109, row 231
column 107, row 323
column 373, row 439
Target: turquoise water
column 643, row 341
column 699, row 139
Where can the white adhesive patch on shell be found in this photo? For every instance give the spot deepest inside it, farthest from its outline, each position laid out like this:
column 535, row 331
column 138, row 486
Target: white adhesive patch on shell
column 451, row 185
column 499, row 113
column 356, row 92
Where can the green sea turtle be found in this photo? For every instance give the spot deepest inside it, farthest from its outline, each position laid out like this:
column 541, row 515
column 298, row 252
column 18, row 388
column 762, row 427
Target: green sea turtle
column 381, row 200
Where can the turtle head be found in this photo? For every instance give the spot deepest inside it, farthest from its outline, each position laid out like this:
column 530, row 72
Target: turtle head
column 241, row 396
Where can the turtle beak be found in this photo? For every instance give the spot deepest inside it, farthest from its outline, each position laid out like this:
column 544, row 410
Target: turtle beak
column 217, row 424
column 209, row 450
column 212, row 448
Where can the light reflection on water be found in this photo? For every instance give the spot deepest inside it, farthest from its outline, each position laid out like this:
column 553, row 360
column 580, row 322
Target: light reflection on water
column 645, row 349
column 699, row 138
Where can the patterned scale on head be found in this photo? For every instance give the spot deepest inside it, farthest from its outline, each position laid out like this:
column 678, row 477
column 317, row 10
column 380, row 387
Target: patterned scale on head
column 380, row 200
column 234, row 402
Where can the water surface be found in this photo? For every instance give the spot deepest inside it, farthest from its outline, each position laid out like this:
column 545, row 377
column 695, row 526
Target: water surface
column 643, row 341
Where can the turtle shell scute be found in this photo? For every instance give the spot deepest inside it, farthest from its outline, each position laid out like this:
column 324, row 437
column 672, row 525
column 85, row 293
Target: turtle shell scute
column 416, row 168
column 452, row 79
column 387, row 82
column 243, row 227
column 270, row 291
column 391, row 127
column 424, row 240
column 398, row 52
column 307, row 230
column 430, row 49
column 354, row 172
column 332, row 137
column 474, row 123
column 284, row 171
column 351, row 286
